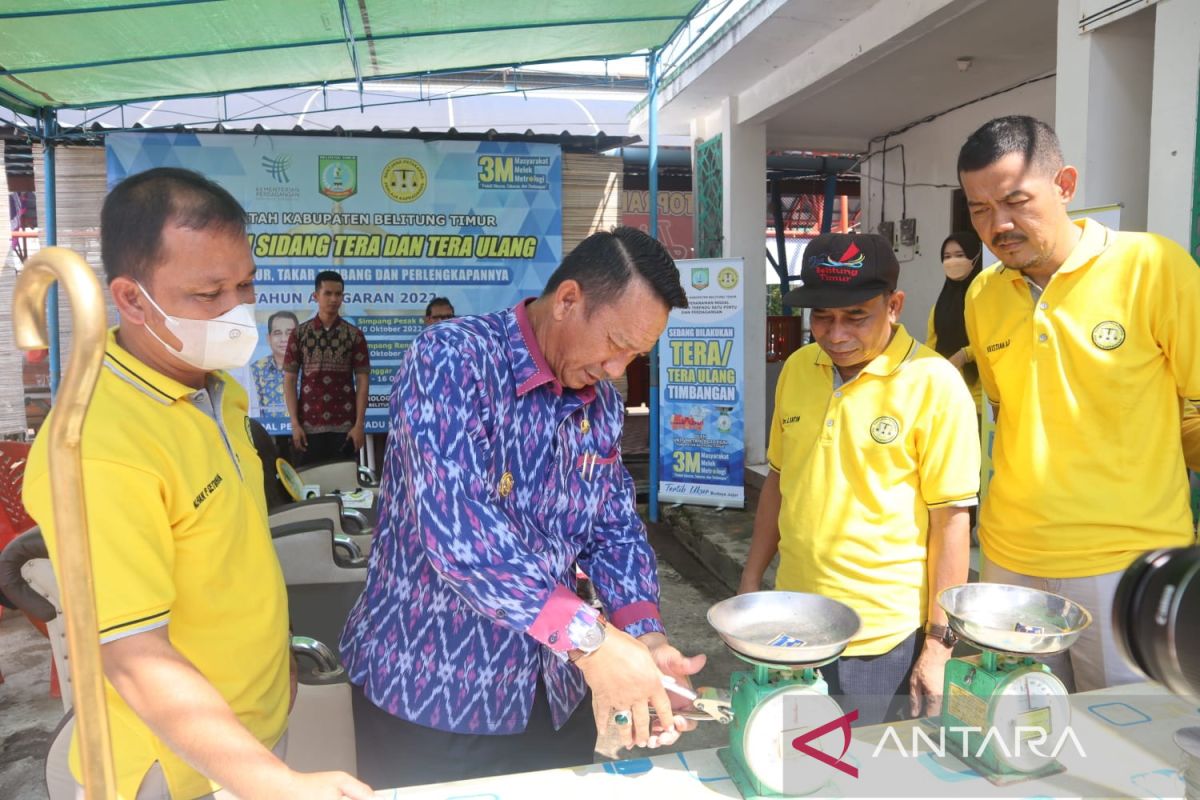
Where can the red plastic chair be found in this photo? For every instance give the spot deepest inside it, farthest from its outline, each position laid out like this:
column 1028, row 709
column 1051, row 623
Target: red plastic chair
column 15, row 520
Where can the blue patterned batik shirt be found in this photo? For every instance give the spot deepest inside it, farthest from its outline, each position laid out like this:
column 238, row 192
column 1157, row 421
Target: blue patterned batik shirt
column 268, row 383
column 496, row 481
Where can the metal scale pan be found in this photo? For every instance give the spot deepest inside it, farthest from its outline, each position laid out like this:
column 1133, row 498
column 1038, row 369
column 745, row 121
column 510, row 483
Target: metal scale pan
column 1013, row 619
column 784, row 629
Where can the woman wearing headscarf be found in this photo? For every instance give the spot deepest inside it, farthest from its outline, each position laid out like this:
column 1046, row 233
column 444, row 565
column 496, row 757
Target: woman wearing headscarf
column 947, row 329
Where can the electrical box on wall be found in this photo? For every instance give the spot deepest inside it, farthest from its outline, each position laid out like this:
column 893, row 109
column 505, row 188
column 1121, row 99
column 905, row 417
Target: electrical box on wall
column 888, row 231
column 908, row 232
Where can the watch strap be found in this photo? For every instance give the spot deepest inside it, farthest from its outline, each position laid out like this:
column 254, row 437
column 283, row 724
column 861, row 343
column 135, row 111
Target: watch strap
column 941, row 633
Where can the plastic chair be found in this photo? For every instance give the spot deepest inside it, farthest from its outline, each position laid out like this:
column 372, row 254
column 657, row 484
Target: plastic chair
column 15, row 520
column 349, row 524
column 27, row 582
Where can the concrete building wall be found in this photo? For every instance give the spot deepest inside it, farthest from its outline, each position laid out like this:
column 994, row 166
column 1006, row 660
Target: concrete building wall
column 930, row 152
column 743, row 220
column 1173, row 121
column 1127, row 110
column 1103, row 106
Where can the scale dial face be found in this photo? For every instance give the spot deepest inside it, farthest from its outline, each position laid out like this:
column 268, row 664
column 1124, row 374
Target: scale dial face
column 772, row 727
column 1029, row 713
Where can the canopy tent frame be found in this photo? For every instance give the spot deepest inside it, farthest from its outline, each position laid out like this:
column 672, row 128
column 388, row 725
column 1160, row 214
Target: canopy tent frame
column 98, row 781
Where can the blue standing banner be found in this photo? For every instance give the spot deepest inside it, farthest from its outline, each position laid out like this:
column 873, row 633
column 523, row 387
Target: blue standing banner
column 702, row 412
column 403, row 221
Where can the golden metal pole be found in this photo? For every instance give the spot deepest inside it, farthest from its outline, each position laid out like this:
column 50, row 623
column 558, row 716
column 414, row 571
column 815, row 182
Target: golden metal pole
column 66, row 487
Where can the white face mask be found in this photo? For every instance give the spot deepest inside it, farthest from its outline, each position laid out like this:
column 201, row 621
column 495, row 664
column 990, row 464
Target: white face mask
column 225, row 342
column 957, row 267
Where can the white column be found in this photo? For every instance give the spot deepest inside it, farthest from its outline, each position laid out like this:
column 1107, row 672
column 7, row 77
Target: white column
column 1173, row 142
column 1102, row 108
column 744, row 214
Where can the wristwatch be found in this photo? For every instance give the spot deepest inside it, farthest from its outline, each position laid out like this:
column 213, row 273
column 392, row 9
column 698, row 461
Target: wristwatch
column 941, row 633
column 592, row 637
column 586, row 631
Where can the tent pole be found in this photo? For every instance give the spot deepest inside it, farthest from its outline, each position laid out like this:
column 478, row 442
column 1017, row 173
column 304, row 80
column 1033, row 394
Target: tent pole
column 652, row 200
column 830, row 199
column 50, row 212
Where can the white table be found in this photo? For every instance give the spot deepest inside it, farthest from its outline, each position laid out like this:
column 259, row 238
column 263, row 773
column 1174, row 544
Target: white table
column 1125, row 734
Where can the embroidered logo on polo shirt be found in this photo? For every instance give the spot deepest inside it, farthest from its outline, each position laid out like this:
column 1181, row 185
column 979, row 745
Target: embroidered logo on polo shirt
column 1108, row 335
column 885, row 429
column 207, row 491
column 992, row 348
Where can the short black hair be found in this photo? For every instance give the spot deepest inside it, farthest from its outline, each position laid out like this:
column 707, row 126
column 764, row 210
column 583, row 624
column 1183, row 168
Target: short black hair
column 994, row 140
column 271, row 319
column 327, row 275
column 139, row 208
column 438, row 301
column 604, row 263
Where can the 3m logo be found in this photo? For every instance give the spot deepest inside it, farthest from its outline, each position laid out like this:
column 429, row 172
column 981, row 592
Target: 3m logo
column 842, row 723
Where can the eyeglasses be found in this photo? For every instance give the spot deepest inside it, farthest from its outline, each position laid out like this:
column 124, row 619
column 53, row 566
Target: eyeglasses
column 440, row 317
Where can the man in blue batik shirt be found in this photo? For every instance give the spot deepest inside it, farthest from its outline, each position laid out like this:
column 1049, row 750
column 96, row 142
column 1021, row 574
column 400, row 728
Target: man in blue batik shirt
column 470, row 652
column 268, row 370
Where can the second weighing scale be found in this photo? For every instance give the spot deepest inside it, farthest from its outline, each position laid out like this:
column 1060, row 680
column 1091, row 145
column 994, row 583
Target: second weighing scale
column 1018, row 706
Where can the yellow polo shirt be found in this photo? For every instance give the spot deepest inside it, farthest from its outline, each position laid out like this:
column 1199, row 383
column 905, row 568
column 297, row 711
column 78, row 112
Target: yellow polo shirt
column 177, row 522
column 1191, row 436
column 859, row 468
column 1089, row 467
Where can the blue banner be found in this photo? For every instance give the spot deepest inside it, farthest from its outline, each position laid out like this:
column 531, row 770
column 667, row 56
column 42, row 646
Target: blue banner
column 402, row 220
column 702, row 443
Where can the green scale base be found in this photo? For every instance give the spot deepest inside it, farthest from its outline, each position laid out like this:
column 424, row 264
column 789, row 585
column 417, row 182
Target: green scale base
column 749, row 689
column 971, row 691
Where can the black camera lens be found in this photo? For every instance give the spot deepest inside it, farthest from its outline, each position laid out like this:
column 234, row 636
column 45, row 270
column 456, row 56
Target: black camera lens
column 1156, row 604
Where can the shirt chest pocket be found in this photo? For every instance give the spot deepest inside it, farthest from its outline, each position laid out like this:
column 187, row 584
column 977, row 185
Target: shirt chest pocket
column 589, row 477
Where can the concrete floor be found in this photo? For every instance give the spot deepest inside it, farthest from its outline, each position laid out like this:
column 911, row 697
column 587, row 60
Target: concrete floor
column 28, row 714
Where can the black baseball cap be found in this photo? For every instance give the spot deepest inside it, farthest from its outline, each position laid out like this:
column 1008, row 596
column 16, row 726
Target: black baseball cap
column 844, row 269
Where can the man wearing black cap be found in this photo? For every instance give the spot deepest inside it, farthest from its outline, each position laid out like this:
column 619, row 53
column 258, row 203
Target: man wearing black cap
column 874, row 457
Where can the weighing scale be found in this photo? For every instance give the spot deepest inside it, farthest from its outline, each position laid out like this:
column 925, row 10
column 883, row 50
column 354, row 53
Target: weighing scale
column 785, row 637
column 1016, row 705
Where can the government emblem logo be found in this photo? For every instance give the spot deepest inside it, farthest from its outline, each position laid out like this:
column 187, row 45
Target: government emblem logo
column 404, row 179
column 699, row 278
column 277, row 167
column 1108, row 335
column 506, row 484
column 337, row 176
column 727, row 278
column 885, row 429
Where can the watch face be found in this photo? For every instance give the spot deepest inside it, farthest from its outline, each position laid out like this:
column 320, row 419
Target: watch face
column 592, row 638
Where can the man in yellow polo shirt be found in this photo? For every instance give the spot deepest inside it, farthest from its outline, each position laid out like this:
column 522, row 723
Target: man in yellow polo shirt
column 189, row 593
column 1088, row 341
column 874, row 458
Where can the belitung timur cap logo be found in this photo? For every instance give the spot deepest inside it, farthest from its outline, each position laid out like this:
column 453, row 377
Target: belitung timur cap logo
column 853, row 258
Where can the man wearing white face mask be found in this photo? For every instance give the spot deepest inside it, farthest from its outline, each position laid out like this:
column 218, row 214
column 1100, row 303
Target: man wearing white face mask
column 197, row 680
